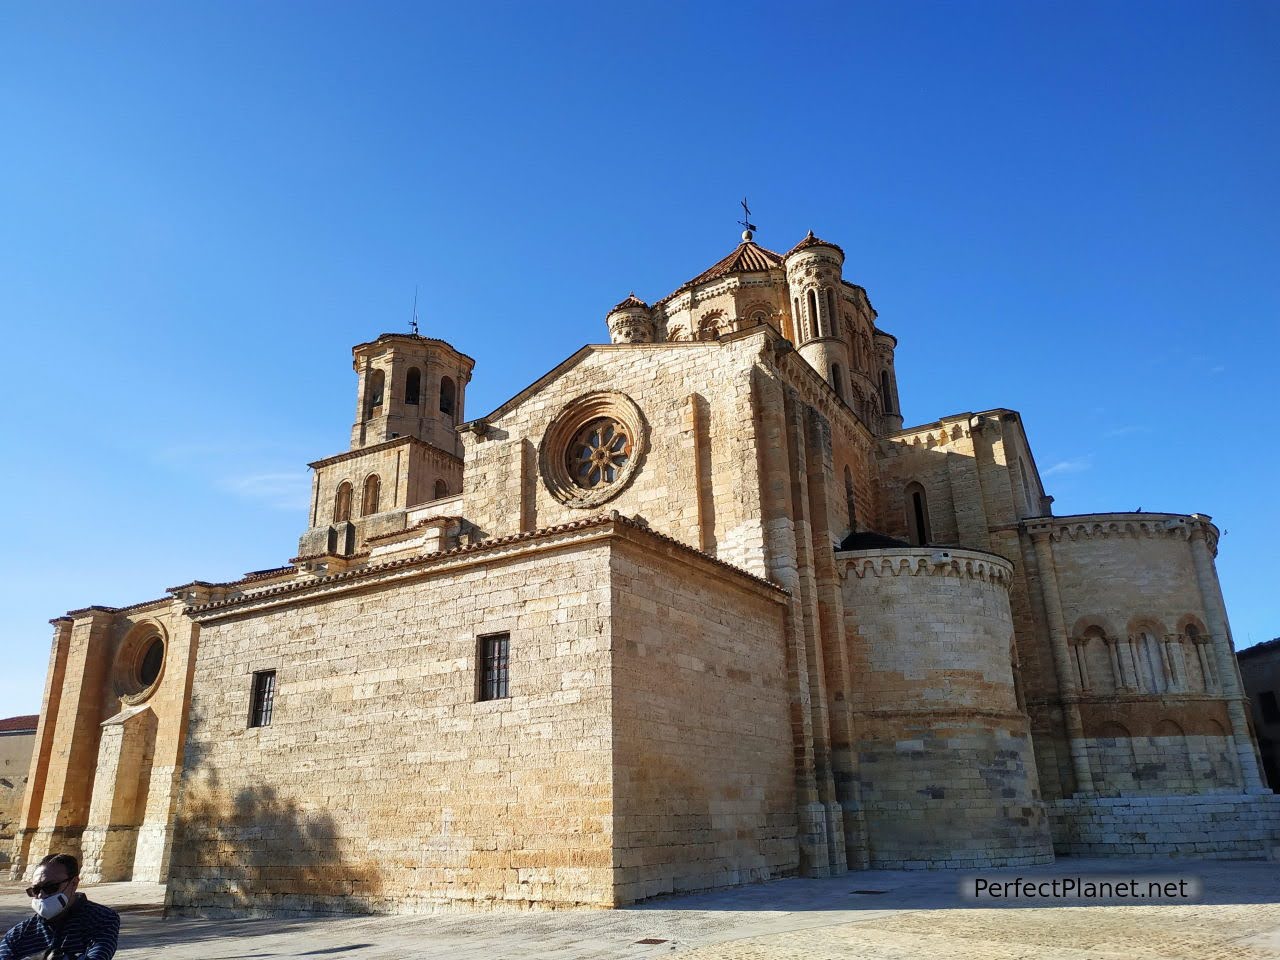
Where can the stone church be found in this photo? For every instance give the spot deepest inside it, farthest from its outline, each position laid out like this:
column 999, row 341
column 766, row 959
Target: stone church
column 692, row 609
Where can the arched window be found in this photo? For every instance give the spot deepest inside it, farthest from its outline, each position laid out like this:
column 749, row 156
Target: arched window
column 812, row 330
column 797, row 321
column 837, row 381
column 413, row 386
column 442, row 489
column 447, row 395
column 917, row 504
column 342, row 503
column 849, row 500
column 373, row 394
column 886, row 398
column 831, row 312
column 369, row 502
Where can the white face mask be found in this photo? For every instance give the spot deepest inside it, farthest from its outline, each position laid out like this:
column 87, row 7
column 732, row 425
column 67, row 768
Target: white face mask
column 50, row 907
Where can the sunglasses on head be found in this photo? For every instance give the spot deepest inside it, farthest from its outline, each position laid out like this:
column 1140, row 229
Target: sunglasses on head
column 44, row 889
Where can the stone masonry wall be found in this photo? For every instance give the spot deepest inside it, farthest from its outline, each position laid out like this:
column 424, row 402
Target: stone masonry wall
column 1227, row 827
column 945, row 763
column 382, row 784
column 15, row 762
column 698, row 481
column 703, row 755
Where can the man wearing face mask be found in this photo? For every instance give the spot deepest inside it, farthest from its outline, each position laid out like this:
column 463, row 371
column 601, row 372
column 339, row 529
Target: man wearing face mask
column 67, row 924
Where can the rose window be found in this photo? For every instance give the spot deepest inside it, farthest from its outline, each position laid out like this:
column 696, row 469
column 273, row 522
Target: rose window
column 599, row 453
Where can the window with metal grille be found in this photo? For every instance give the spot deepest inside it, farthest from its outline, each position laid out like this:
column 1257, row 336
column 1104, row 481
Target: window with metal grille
column 494, row 652
column 264, row 698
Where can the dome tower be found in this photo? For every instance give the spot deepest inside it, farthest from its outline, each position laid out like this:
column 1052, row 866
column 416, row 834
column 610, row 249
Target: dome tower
column 814, row 280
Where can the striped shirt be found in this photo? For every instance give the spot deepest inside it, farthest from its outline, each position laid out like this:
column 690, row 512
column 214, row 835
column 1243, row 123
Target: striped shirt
column 85, row 930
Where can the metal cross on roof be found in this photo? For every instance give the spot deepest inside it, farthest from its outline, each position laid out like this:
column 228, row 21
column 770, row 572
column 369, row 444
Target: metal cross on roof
column 748, row 226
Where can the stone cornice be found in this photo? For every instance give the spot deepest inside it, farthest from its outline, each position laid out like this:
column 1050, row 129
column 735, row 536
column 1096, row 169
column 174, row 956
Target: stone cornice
column 603, row 527
column 928, row 562
column 1097, row 526
column 387, row 445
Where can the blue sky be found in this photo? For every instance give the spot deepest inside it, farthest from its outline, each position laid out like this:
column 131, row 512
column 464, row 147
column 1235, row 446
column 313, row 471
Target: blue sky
column 1064, row 208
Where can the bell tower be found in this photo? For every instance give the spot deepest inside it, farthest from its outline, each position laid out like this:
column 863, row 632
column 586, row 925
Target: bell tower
column 409, row 386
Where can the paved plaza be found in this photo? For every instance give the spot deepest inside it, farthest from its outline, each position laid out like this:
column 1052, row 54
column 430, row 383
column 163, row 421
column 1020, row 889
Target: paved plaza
column 876, row 915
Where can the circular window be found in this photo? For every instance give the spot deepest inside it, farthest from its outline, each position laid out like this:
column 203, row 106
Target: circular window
column 139, row 664
column 593, row 448
column 152, row 661
column 599, row 453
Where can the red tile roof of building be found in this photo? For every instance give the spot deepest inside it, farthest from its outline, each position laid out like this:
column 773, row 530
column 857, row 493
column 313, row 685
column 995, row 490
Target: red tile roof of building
column 631, row 301
column 19, row 724
column 747, row 257
column 811, row 241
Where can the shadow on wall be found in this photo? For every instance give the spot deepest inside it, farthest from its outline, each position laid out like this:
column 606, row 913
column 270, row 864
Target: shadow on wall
column 250, row 849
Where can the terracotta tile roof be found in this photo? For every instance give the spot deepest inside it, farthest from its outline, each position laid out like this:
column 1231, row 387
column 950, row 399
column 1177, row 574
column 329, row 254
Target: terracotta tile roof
column 19, row 724
column 747, row 257
column 631, row 301
column 811, row 241
column 480, row 547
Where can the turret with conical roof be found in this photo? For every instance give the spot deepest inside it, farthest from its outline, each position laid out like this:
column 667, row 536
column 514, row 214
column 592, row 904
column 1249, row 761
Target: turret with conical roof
column 631, row 321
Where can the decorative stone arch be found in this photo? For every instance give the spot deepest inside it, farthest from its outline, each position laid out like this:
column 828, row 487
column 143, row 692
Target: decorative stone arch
column 758, row 312
column 676, row 333
column 1191, row 620
column 1169, row 728
column 342, row 502
column 1145, row 623
column 1093, row 622
column 441, row 490
column 370, row 495
column 712, row 325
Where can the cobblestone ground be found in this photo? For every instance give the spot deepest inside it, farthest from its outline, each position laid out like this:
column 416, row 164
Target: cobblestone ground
column 872, row 915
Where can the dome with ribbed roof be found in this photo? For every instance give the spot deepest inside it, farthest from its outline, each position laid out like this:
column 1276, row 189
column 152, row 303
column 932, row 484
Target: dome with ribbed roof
column 747, row 257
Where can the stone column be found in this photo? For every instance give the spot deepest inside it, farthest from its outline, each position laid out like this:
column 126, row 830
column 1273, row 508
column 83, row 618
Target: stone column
column 1113, row 650
column 1228, row 678
column 1082, row 665
column 1067, row 692
column 782, row 568
column 1206, row 668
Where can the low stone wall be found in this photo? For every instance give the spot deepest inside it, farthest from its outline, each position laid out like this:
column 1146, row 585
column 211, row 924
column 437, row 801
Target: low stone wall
column 1224, row 826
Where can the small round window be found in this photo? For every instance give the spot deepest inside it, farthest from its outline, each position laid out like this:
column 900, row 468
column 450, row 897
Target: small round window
column 598, row 453
column 151, row 662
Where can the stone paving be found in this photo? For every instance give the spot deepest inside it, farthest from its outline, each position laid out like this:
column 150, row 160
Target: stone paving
column 869, row 915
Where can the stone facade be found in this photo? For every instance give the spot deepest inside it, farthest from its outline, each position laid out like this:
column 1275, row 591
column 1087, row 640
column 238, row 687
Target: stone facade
column 17, row 740
column 690, row 610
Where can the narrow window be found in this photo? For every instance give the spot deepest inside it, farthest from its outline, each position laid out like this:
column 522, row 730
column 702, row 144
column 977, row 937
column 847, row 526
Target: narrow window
column 413, row 386
column 442, row 489
column 373, row 404
column 812, row 299
column 494, row 652
column 885, row 398
column 264, row 698
column 797, row 321
column 369, row 502
column 446, row 395
column 831, row 311
column 837, row 381
column 917, row 515
column 1270, row 709
column 342, row 503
